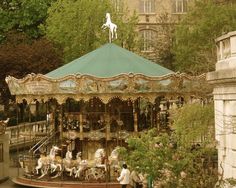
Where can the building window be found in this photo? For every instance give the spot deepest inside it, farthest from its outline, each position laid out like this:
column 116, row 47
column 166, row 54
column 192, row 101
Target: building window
column 1, row 152
column 180, row 6
column 148, row 36
column 118, row 5
column 147, row 6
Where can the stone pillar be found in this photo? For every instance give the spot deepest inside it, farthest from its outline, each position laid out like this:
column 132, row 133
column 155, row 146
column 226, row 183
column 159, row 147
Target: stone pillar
column 4, row 157
column 224, row 81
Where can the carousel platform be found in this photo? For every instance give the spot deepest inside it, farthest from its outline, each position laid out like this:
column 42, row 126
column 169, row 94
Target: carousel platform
column 66, row 184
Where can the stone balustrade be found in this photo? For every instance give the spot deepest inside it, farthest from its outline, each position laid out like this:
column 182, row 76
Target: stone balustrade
column 25, row 133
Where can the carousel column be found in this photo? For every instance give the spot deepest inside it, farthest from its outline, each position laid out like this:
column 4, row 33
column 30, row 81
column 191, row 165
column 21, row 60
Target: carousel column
column 108, row 137
column 108, row 127
column 158, row 120
column 152, row 106
column 17, row 122
column 60, row 122
column 81, row 126
column 135, row 115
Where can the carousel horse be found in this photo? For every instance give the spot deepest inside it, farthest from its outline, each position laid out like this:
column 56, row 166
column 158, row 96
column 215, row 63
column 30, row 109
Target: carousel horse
column 81, row 164
column 99, row 157
column 114, row 161
column 52, row 155
column 114, row 157
column 3, row 124
column 81, row 167
column 68, row 164
column 111, row 26
column 99, row 169
column 74, row 166
column 45, row 161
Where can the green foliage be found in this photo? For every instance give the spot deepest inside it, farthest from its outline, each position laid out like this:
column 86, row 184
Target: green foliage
column 127, row 36
column 76, row 26
column 163, row 44
column 195, row 36
column 23, row 15
column 194, row 123
column 20, row 55
column 170, row 162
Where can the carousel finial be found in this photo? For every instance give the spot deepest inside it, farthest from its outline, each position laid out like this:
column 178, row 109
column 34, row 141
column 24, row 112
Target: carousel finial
column 111, row 26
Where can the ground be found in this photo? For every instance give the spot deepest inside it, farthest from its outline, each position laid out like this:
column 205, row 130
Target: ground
column 9, row 183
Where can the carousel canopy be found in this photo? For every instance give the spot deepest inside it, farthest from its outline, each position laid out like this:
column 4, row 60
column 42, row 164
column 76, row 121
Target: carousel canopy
column 108, row 61
column 108, row 72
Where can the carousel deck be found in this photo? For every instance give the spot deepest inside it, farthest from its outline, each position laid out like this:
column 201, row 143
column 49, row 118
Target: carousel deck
column 66, row 184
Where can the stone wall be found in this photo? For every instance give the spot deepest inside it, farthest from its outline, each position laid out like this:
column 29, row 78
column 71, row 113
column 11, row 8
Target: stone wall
column 224, row 82
column 4, row 157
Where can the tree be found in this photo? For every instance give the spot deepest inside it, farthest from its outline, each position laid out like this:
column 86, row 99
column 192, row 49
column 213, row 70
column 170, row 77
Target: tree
column 20, row 56
column 194, row 123
column 163, row 43
column 76, row 26
column 23, row 15
column 195, row 36
column 171, row 162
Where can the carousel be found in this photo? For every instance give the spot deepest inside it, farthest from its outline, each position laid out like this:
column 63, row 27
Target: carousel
column 94, row 104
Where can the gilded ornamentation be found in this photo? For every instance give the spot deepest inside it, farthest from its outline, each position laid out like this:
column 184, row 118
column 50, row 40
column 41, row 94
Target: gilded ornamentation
column 124, row 86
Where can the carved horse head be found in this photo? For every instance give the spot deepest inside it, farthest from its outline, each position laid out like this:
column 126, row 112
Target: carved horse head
column 3, row 125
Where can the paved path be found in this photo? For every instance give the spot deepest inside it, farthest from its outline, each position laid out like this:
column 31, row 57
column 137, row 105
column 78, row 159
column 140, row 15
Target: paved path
column 9, row 183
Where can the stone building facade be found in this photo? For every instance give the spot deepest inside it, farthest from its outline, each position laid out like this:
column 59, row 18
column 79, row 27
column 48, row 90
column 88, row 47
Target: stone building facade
column 224, row 81
column 155, row 18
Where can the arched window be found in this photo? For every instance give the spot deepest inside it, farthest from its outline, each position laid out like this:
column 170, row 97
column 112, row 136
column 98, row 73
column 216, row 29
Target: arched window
column 147, row 6
column 179, row 6
column 148, row 36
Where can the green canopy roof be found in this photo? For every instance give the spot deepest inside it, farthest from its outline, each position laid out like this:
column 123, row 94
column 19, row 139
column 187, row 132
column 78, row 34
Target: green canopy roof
column 108, row 61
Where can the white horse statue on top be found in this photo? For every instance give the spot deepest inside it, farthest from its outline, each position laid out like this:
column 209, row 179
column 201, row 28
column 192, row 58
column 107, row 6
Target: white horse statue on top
column 112, row 27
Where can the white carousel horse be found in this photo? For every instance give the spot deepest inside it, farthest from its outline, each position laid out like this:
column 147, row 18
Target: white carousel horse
column 78, row 157
column 3, row 124
column 114, row 161
column 67, row 162
column 45, row 161
column 111, row 26
column 81, row 167
column 74, row 166
column 99, row 158
column 52, row 155
column 4, row 121
column 99, row 169
column 114, row 157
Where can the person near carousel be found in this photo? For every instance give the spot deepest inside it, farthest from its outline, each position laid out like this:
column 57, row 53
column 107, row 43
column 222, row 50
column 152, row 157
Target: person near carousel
column 124, row 176
column 135, row 181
